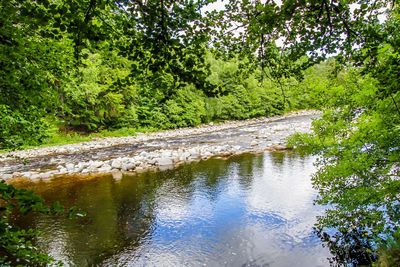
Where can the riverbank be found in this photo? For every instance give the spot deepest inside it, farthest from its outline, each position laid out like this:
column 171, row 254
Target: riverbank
column 156, row 150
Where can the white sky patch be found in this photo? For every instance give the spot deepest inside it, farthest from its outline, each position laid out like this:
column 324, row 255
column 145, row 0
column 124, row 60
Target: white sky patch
column 217, row 6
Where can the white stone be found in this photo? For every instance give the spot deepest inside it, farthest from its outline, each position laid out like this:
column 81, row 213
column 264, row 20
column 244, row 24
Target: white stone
column 79, row 167
column 96, row 164
column 166, row 154
column 35, row 176
column 128, row 166
column 62, row 170
column 46, row 175
column 208, row 154
column 194, row 155
column 165, row 161
column 27, row 174
column 116, row 163
column 192, row 151
column 104, row 169
column 6, row 176
column 70, row 166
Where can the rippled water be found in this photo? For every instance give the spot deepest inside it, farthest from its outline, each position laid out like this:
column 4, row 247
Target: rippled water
column 250, row 210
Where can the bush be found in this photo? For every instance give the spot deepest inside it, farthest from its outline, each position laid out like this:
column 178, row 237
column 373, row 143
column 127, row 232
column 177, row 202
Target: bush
column 186, row 108
column 99, row 93
column 19, row 128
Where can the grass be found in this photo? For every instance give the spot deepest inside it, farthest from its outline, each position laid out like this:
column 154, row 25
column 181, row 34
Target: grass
column 61, row 137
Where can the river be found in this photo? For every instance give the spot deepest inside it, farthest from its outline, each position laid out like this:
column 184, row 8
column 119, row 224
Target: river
column 248, row 210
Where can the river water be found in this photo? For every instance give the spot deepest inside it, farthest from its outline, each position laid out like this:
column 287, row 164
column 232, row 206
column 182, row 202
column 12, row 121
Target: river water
column 248, row 210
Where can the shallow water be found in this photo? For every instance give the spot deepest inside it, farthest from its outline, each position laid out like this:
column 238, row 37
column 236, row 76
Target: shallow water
column 249, row 210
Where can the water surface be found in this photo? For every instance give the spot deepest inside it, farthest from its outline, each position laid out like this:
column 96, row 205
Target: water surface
column 249, row 210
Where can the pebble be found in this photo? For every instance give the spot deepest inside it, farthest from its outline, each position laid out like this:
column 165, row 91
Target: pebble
column 161, row 158
column 165, row 161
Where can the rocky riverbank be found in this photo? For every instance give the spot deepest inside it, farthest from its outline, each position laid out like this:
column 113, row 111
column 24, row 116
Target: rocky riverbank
column 155, row 150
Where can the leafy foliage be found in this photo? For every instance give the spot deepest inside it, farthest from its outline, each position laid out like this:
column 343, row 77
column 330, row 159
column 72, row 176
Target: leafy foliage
column 104, row 65
column 16, row 244
column 31, row 65
column 358, row 176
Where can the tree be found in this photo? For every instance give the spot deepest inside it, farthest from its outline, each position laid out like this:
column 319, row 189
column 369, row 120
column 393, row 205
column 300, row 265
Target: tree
column 278, row 37
column 358, row 138
column 44, row 44
column 358, row 176
column 32, row 62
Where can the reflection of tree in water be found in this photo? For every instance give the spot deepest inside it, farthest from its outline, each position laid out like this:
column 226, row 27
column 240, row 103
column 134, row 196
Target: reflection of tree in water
column 126, row 216
column 279, row 159
column 250, row 165
column 118, row 214
column 91, row 235
column 122, row 214
column 210, row 176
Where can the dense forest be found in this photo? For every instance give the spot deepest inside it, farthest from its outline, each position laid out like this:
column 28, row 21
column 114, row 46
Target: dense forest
column 79, row 67
column 116, row 67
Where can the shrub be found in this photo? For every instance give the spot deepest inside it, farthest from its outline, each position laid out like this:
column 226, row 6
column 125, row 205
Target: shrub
column 185, row 108
column 19, row 127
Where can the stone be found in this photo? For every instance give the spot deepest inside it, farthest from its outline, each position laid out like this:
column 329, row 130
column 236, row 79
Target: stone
column 116, row 163
column 128, row 166
column 70, row 166
column 166, row 154
column 152, row 161
column 62, row 170
column 104, row 169
column 194, row 155
column 96, row 164
column 7, row 176
column 26, row 174
column 46, row 175
column 279, row 147
column 165, row 161
column 208, row 154
column 182, row 151
column 80, row 167
column 35, row 176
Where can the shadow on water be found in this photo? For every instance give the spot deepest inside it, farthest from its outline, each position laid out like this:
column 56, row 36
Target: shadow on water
column 249, row 210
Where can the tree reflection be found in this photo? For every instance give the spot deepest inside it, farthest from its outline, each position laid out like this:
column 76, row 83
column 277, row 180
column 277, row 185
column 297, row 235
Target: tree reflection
column 196, row 205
